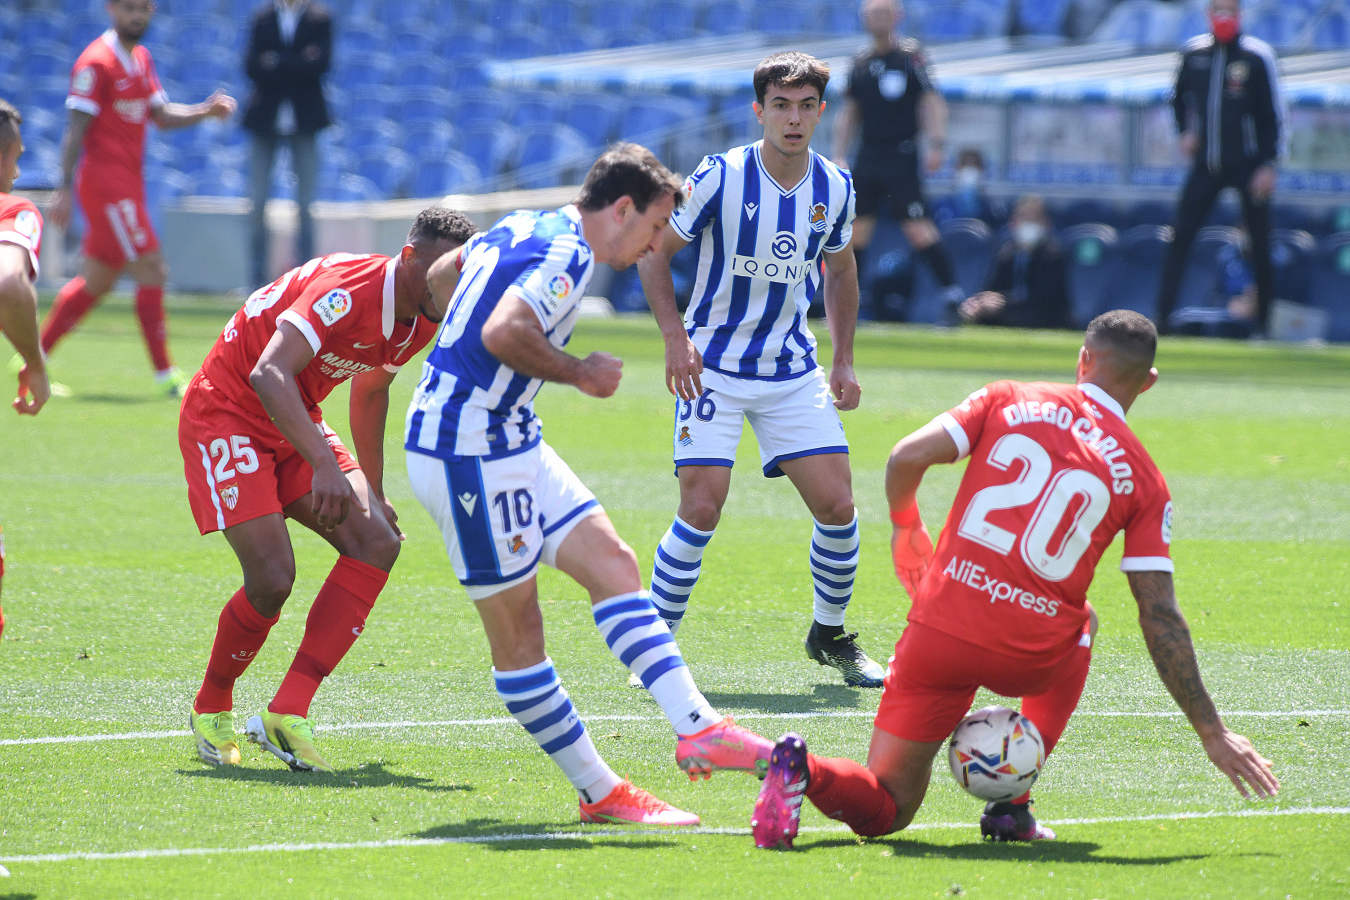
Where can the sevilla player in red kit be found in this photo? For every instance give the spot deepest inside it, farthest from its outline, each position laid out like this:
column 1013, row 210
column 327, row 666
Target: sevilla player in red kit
column 20, row 243
column 256, row 451
column 114, row 92
column 1054, row 474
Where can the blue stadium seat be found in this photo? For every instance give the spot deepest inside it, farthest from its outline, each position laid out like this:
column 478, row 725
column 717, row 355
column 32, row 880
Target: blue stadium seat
column 970, row 243
column 46, row 60
column 351, row 188
column 389, row 168
column 1135, row 285
column 596, row 116
column 552, row 154
column 532, row 108
column 525, row 40
column 1292, row 253
column 1129, row 22
column 1202, row 265
column 728, row 17
column 491, row 145
column 1277, row 26
column 1331, row 283
column 1042, row 16
column 1091, row 252
column 483, row 105
column 428, row 140
column 1149, row 212
column 421, row 71
column 221, row 182
column 1331, row 31
column 672, row 19
column 425, row 105
column 452, row 173
column 785, row 17
column 626, row 21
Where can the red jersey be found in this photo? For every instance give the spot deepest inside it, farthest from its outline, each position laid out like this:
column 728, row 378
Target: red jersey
column 1054, row 475
column 21, row 225
column 343, row 305
column 119, row 90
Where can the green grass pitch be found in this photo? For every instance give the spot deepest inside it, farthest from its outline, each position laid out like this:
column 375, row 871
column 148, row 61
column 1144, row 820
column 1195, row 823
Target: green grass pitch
column 111, row 599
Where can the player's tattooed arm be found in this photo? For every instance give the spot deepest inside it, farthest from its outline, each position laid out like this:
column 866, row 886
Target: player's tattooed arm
column 1169, row 643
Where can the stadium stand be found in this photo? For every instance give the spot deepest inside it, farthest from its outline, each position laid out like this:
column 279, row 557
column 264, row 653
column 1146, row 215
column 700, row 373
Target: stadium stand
column 483, row 95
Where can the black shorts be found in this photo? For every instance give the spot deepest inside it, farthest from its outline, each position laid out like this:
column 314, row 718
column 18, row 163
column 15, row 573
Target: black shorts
column 889, row 182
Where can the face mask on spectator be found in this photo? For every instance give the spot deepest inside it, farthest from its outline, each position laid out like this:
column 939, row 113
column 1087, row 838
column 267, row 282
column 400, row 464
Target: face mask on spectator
column 967, row 178
column 1028, row 234
column 1225, row 27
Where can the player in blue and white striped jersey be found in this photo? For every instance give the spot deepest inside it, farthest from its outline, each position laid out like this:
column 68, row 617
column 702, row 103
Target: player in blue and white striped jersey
column 764, row 217
column 504, row 501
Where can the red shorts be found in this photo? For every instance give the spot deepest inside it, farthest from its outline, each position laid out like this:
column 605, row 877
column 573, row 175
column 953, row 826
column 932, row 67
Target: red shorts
column 239, row 468
column 119, row 222
column 932, row 679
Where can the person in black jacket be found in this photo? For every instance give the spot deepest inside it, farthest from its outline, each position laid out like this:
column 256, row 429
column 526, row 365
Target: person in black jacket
column 1230, row 115
column 290, row 47
column 1028, row 283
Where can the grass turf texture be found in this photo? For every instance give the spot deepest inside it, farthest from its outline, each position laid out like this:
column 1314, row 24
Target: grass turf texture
column 112, row 597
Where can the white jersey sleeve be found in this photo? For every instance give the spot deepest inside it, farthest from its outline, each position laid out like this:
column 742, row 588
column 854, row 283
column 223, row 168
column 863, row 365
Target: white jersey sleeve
column 702, row 196
column 554, row 287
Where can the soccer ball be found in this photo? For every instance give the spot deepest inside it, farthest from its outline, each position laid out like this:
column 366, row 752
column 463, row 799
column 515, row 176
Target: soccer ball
column 996, row 753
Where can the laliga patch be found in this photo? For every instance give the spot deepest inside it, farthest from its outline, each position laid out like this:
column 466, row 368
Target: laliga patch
column 333, row 306
column 559, row 286
column 83, row 82
column 1167, row 523
column 29, row 226
column 818, row 220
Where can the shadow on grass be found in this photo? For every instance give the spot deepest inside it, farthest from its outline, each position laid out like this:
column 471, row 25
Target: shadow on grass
column 545, row 835
column 373, row 775
column 822, row 696
column 1040, row 851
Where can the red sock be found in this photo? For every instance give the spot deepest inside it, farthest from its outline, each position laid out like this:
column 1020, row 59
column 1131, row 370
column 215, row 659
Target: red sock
column 1052, row 709
column 73, row 302
column 154, row 326
column 848, row 792
column 240, row 633
column 334, row 623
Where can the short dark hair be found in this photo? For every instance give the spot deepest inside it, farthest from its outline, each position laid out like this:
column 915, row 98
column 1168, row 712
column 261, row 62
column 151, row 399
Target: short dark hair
column 628, row 170
column 440, row 223
column 791, row 69
column 10, row 119
column 1130, row 339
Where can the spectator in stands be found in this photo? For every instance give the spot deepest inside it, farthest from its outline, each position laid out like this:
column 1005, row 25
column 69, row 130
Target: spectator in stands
column 1028, row 284
column 290, row 46
column 1229, row 112
column 1233, row 312
column 892, row 101
column 967, row 199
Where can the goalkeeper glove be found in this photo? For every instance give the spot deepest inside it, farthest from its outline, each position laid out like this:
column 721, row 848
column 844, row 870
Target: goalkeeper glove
column 911, row 548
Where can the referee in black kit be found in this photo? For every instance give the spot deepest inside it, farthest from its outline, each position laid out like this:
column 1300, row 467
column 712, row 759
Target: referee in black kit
column 1230, row 115
column 892, row 99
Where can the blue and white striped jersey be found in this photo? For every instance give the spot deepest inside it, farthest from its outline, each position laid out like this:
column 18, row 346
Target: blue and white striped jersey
column 759, row 248
column 468, row 403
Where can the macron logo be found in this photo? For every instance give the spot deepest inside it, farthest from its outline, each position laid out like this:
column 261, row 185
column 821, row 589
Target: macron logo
column 469, row 502
column 750, row 209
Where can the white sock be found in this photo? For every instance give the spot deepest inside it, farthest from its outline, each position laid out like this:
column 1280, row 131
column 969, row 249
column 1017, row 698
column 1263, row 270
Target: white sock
column 834, row 562
column 679, row 559
column 535, row 696
column 643, row 643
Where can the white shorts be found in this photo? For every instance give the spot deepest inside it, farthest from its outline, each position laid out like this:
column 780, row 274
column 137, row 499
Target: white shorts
column 790, row 419
column 501, row 517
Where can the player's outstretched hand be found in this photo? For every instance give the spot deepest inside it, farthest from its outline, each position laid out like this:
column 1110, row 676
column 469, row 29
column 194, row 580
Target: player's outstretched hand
column 333, row 496
column 845, row 387
column 600, row 374
column 34, row 391
column 911, row 553
column 684, row 365
column 1235, row 757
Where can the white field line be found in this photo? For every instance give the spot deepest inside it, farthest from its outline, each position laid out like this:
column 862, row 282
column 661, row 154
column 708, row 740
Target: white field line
column 643, row 833
column 745, row 717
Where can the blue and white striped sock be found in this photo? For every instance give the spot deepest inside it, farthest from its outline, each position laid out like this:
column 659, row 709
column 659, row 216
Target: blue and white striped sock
column 834, row 562
column 537, row 699
column 679, row 558
column 643, row 643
